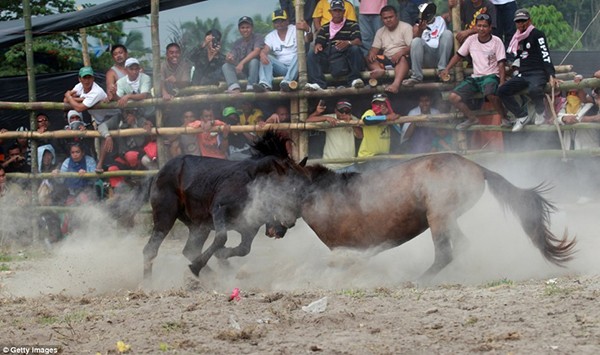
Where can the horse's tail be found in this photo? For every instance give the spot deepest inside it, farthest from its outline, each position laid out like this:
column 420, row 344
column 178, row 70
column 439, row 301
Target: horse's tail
column 533, row 210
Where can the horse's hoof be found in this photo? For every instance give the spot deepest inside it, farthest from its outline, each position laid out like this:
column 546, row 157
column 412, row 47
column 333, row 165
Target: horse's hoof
column 195, row 269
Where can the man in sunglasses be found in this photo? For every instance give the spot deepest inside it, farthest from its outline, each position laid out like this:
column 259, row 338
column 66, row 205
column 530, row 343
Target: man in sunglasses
column 469, row 10
column 487, row 53
column 535, row 70
column 340, row 141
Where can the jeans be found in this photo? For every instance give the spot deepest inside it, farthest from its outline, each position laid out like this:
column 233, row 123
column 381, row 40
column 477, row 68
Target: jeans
column 422, row 55
column 369, row 24
column 533, row 82
column 250, row 69
column 275, row 67
column 505, row 26
column 318, row 63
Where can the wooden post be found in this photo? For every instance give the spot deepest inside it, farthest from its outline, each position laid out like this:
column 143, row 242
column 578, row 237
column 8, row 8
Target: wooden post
column 84, row 44
column 31, row 89
column 460, row 136
column 299, row 104
column 154, row 8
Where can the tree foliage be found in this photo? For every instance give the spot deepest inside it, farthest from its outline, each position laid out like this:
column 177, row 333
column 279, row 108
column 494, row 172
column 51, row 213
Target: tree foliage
column 559, row 34
column 60, row 52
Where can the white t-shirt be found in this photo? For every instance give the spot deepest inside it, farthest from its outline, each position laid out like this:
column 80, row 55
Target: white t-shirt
column 485, row 55
column 91, row 98
column 285, row 50
column 432, row 33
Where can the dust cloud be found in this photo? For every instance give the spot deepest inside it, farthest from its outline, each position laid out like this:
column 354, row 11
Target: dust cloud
column 101, row 259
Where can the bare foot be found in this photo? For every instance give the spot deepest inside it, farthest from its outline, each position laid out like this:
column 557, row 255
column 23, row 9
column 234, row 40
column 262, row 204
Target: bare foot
column 392, row 88
column 377, row 73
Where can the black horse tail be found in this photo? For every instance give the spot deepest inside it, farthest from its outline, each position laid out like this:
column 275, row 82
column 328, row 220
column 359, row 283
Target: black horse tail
column 533, row 211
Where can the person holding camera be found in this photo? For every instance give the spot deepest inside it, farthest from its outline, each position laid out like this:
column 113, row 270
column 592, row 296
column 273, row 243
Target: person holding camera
column 15, row 162
column 208, row 60
column 431, row 45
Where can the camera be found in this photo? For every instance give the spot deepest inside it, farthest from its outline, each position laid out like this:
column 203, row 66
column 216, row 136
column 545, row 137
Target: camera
column 215, row 42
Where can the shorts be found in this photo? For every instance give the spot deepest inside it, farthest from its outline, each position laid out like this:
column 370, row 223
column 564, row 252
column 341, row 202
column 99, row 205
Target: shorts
column 487, row 85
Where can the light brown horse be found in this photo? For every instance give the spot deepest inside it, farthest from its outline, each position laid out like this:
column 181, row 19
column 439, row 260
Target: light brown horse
column 387, row 207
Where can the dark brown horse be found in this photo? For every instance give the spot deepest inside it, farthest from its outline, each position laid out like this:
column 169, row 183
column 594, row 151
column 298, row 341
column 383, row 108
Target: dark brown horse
column 390, row 206
column 215, row 194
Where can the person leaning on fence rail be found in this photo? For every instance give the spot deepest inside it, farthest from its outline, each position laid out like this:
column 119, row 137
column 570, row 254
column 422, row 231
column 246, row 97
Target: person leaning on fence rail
column 243, row 57
column 15, row 161
column 394, row 38
column 211, row 144
column 239, row 143
column 83, row 97
column 415, row 139
column 80, row 190
column 535, row 70
column 175, row 72
column 488, row 57
column 136, row 86
column 117, row 71
column 576, row 111
column 336, row 50
column 431, row 45
column 339, row 142
column 279, row 55
column 376, row 138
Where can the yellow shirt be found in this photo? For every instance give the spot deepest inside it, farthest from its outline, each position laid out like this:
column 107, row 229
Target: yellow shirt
column 322, row 11
column 376, row 139
column 253, row 118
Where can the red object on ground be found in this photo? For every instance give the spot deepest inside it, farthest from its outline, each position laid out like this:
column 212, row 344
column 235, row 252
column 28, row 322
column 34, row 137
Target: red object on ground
column 235, row 295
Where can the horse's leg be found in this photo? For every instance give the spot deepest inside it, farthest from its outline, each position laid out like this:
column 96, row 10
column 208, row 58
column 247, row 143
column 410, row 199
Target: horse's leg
column 198, row 234
column 242, row 249
column 441, row 233
column 163, row 222
column 219, row 242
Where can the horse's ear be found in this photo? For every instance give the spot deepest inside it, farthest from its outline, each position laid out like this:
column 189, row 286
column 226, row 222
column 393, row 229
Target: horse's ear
column 303, row 162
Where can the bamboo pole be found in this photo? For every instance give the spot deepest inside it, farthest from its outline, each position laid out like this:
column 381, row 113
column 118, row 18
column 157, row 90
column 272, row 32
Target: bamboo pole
column 85, row 53
column 300, row 103
column 156, row 61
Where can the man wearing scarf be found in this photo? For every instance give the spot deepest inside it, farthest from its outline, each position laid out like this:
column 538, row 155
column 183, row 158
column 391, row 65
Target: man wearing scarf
column 337, row 49
column 535, row 70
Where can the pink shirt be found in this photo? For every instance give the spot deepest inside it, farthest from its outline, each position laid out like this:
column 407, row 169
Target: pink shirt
column 485, row 55
column 371, row 7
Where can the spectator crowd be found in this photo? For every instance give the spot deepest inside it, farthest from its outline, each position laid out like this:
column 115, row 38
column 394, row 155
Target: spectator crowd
column 508, row 55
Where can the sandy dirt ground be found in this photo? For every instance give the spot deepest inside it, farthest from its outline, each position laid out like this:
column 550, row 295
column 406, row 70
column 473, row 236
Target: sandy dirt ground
column 499, row 296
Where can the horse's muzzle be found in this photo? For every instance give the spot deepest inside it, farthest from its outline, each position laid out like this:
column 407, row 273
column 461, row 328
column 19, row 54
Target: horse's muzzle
column 276, row 231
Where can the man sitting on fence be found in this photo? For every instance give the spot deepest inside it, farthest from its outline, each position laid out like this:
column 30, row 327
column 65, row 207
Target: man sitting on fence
column 394, row 39
column 337, row 50
column 487, row 53
column 84, row 96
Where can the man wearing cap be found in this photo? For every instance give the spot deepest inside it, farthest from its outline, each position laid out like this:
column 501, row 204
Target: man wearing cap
column 84, row 96
column 431, row 45
column 337, row 50
column 174, row 72
column 394, row 39
column 243, row 58
column 339, row 142
column 321, row 15
column 239, row 143
column 530, row 47
column 135, row 86
column 377, row 137
column 281, row 42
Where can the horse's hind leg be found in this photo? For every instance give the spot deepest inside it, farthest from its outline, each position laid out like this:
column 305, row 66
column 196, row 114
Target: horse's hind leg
column 445, row 233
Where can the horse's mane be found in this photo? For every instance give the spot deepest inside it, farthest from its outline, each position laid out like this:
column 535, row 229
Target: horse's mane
column 322, row 177
column 271, row 144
